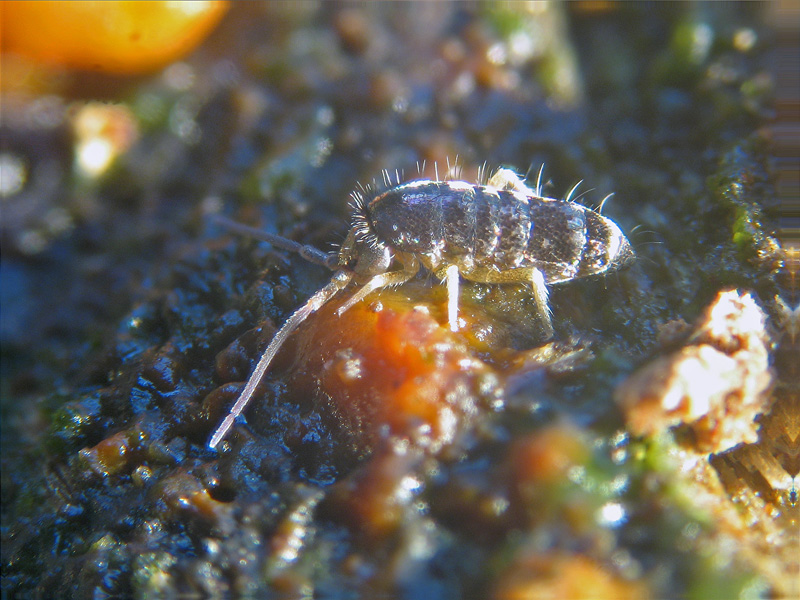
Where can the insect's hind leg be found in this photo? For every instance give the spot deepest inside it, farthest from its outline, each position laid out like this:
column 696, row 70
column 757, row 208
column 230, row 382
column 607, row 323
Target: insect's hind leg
column 531, row 275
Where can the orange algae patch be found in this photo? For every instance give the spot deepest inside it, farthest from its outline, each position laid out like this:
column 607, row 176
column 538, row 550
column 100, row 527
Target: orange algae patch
column 183, row 493
column 543, row 486
column 111, row 456
column 545, row 457
column 560, row 575
column 373, row 499
column 113, row 37
column 390, row 369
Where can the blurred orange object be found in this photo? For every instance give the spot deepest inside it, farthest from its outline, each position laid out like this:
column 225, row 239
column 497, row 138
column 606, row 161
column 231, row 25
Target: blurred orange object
column 113, row 37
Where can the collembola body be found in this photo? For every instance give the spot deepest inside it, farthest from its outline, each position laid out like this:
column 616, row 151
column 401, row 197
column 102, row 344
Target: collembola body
column 501, row 232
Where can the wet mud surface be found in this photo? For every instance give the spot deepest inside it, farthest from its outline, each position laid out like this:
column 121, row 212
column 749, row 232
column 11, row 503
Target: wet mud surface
column 385, row 455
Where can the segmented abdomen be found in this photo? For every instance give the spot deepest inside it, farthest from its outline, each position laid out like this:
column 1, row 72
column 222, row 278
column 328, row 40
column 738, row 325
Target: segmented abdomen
column 557, row 240
column 472, row 225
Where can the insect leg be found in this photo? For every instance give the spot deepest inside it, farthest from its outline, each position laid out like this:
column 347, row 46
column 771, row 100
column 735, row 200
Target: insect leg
column 506, row 179
column 540, row 295
column 340, row 280
column 530, row 275
column 382, row 280
column 452, row 277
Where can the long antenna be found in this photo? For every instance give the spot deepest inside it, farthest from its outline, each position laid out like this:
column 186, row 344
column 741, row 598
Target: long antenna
column 310, row 253
column 339, row 281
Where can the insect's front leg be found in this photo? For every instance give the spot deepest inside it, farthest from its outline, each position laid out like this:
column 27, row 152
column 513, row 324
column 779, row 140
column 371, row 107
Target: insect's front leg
column 451, row 276
column 382, row 280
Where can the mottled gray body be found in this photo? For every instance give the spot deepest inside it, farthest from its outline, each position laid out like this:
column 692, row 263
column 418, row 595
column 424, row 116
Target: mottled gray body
column 485, row 230
column 503, row 232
